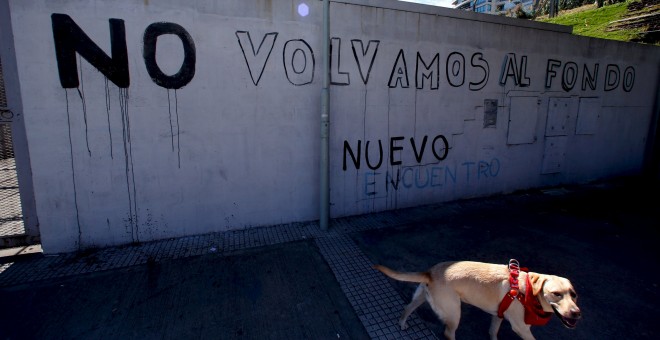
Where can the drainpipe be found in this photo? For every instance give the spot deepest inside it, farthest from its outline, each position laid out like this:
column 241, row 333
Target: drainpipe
column 324, row 192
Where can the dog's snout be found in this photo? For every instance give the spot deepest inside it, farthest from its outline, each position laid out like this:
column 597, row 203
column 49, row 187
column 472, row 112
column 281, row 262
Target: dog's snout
column 576, row 313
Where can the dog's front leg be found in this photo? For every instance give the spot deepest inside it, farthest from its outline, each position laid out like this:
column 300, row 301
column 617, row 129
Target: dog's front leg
column 522, row 329
column 495, row 323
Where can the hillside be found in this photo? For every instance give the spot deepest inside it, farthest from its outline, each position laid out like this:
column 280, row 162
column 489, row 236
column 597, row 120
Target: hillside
column 633, row 20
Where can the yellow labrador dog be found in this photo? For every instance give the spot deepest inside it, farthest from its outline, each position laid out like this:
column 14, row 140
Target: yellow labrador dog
column 484, row 285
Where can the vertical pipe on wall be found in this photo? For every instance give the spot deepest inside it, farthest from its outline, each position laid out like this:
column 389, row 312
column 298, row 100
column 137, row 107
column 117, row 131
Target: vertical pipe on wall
column 324, row 192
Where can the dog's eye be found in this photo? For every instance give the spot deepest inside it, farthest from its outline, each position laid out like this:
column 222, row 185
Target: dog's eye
column 573, row 295
column 557, row 294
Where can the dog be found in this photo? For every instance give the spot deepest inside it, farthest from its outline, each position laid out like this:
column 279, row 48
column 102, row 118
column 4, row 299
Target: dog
column 485, row 285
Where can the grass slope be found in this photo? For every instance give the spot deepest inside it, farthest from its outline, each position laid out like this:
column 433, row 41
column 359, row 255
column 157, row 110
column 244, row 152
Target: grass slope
column 593, row 22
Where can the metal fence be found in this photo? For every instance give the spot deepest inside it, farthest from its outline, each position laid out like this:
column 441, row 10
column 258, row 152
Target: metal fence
column 11, row 215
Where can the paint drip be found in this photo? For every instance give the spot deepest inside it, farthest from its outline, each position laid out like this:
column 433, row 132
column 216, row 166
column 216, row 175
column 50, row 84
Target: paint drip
column 175, row 136
column 129, row 168
column 107, row 111
column 81, row 93
column 73, row 170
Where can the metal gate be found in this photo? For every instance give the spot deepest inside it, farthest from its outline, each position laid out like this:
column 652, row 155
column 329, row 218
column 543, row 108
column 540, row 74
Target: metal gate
column 11, row 215
column 12, row 228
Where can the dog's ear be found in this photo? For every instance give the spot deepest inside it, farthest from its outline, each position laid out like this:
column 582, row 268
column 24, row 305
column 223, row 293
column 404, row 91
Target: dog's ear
column 537, row 280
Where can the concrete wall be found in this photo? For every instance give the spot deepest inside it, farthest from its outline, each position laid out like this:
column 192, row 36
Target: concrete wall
column 515, row 107
column 156, row 119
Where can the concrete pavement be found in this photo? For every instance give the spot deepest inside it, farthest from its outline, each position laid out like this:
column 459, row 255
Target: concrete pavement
column 296, row 282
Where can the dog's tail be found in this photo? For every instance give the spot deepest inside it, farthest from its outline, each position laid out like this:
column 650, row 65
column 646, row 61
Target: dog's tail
column 420, row 277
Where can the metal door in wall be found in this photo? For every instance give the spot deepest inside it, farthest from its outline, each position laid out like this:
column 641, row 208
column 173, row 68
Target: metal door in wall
column 12, row 228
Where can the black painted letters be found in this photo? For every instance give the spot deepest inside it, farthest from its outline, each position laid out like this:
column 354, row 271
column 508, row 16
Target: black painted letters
column 298, row 61
column 187, row 70
column 613, row 79
column 70, row 38
column 439, row 148
column 256, row 59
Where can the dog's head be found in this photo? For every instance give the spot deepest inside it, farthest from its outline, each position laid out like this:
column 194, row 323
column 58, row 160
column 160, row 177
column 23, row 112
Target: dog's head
column 557, row 295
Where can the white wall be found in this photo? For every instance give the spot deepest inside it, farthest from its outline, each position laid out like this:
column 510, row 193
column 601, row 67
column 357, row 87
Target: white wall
column 543, row 135
column 237, row 146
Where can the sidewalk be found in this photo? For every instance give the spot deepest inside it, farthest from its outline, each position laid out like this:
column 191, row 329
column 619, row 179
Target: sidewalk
column 295, row 281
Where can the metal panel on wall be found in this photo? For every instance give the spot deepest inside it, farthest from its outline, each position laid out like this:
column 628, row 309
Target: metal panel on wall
column 523, row 115
column 587, row 118
column 554, row 154
column 560, row 116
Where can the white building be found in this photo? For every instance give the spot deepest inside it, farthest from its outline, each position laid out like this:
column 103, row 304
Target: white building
column 492, row 6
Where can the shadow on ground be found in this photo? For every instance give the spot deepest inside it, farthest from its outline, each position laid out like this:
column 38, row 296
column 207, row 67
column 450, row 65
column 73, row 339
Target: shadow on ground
column 278, row 292
column 604, row 239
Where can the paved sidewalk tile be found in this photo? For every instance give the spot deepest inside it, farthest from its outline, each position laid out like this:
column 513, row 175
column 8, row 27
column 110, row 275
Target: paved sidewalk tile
column 374, row 300
column 370, row 294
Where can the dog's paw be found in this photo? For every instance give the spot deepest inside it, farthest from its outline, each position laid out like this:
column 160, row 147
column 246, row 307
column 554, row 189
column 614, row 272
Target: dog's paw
column 403, row 325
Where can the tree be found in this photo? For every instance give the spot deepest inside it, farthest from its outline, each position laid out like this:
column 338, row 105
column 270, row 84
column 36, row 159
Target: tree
column 554, row 8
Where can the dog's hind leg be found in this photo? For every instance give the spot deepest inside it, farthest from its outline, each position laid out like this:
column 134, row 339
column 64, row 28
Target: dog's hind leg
column 495, row 323
column 451, row 316
column 447, row 305
column 418, row 299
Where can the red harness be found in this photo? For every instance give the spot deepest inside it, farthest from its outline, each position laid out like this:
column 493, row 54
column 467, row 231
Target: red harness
column 534, row 313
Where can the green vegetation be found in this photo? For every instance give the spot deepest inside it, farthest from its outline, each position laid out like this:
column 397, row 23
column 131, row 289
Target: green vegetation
column 598, row 22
